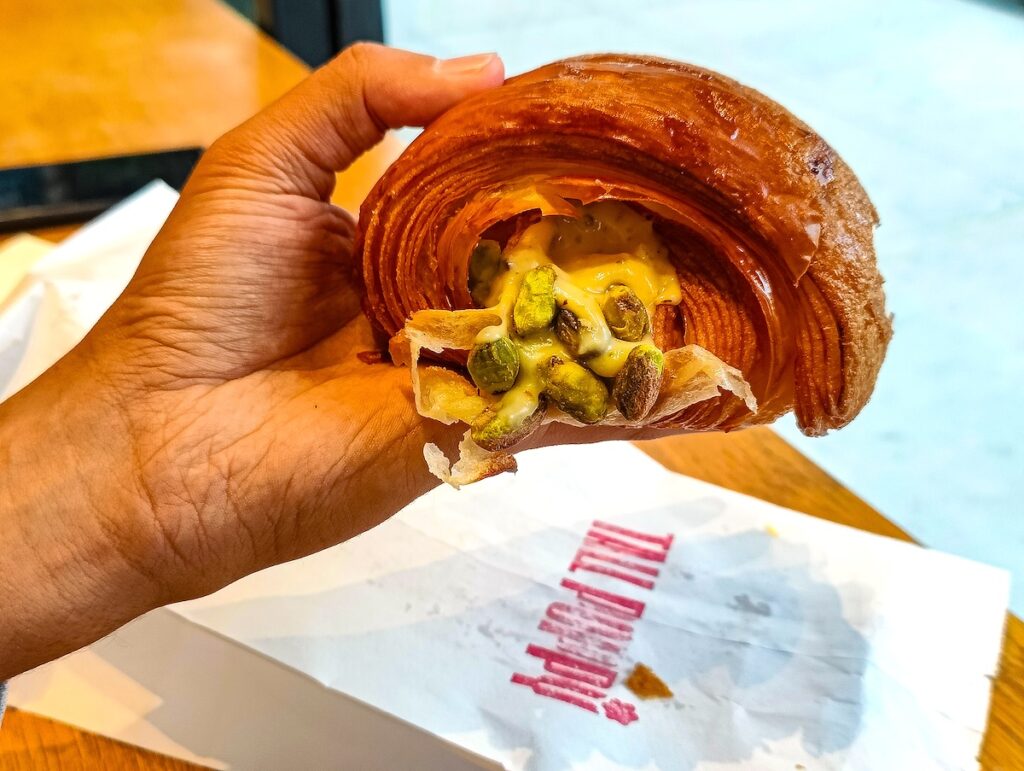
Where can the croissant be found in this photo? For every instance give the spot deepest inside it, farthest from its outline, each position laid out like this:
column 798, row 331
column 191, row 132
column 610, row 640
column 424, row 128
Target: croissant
column 622, row 240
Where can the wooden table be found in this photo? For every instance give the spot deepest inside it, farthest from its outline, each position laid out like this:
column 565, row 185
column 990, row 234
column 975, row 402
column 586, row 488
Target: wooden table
column 86, row 79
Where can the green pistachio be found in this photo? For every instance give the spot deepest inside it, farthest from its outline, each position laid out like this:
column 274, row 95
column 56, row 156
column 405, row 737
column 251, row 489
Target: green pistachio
column 638, row 383
column 535, row 304
column 485, row 265
column 494, row 366
column 494, row 430
column 568, row 328
column 625, row 313
column 575, row 389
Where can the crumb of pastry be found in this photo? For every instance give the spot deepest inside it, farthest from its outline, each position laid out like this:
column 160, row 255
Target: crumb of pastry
column 770, row 529
column 647, row 685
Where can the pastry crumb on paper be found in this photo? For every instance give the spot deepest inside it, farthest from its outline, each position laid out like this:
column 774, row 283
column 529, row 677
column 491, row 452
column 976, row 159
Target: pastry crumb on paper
column 644, row 683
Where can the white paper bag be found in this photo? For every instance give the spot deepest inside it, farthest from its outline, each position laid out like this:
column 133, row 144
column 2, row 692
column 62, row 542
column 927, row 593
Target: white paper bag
column 505, row 617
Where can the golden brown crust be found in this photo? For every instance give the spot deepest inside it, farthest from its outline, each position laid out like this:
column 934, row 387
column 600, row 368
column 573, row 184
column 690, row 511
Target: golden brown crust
column 770, row 231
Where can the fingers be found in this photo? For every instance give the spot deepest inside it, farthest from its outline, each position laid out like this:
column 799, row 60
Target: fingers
column 345, row 107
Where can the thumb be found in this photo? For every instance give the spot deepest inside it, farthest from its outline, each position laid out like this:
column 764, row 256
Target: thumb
column 343, row 109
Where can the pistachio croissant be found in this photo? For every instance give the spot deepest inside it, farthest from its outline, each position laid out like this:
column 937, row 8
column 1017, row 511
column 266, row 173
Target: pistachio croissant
column 623, row 240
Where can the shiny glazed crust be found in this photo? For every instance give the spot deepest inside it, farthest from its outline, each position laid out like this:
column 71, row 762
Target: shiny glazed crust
column 770, row 231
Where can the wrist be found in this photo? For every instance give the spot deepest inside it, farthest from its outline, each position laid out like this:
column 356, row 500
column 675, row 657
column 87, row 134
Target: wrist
column 72, row 526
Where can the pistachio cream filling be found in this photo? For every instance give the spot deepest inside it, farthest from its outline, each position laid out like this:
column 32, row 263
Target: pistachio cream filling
column 576, row 297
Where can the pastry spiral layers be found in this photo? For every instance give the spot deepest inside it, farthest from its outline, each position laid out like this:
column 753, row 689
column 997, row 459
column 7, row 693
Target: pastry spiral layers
column 770, row 234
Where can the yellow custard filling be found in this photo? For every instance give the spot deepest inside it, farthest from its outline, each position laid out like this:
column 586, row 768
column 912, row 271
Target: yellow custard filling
column 606, row 271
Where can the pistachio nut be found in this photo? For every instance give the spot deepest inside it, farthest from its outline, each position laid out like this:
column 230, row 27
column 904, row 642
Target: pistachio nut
column 575, row 389
column 534, row 309
column 494, row 366
column 497, row 430
column 638, row 383
column 625, row 313
column 485, row 265
column 568, row 327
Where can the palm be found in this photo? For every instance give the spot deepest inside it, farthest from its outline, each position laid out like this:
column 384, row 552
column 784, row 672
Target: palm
column 257, row 377
column 263, row 281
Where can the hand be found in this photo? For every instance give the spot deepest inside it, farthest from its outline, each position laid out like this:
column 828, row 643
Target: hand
column 259, row 435
column 217, row 419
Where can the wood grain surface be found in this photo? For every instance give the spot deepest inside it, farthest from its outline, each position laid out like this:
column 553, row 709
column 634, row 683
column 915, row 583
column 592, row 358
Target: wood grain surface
column 84, row 79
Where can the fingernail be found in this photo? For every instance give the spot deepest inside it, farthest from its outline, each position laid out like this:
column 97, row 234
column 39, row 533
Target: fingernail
column 464, row 65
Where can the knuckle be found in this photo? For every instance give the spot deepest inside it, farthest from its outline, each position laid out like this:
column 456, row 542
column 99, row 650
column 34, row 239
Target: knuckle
column 363, row 49
column 358, row 55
